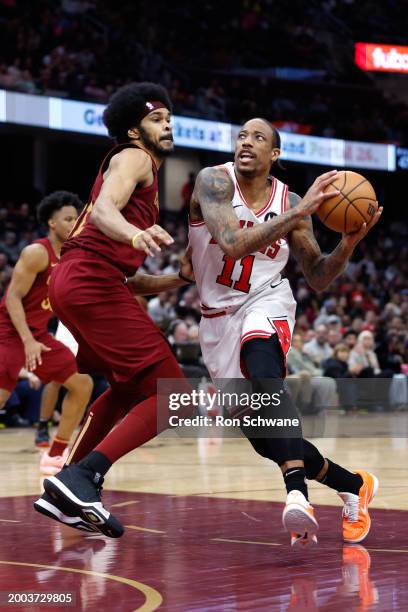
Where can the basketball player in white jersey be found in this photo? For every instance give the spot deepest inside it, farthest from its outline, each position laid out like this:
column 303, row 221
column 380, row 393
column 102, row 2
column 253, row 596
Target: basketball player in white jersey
column 242, row 224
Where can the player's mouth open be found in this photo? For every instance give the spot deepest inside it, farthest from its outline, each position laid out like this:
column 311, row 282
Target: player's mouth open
column 246, row 156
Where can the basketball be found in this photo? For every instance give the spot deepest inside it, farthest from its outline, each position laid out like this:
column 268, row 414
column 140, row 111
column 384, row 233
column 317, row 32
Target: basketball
column 355, row 204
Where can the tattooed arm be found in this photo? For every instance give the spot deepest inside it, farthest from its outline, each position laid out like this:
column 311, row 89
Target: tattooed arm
column 320, row 270
column 211, row 200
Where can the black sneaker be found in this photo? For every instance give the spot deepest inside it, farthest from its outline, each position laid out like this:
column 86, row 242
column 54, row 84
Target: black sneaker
column 13, row 419
column 76, row 491
column 42, row 437
column 46, row 505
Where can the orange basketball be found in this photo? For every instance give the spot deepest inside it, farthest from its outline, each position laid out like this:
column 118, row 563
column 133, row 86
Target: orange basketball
column 355, row 204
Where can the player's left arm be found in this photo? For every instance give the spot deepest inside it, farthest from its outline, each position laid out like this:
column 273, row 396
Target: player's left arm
column 33, row 260
column 321, row 270
column 147, row 284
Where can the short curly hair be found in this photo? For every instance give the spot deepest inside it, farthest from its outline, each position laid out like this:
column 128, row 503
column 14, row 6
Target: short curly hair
column 127, row 105
column 55, row 201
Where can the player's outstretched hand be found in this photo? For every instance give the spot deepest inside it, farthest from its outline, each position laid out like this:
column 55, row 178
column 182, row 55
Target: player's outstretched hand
column 150, row 240
column 33, row 350
column 351, row 239
column 315, row 195
column 186, row 266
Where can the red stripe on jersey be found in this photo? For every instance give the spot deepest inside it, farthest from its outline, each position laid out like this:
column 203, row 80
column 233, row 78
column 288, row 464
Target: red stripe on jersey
column 216, row 314
column 284, row 197
column 257, row 213
column 263, row 210
column 253, row 336
column 255, row 331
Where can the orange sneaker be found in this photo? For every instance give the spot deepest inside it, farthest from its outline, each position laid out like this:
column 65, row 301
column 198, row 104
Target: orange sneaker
column 356, row 520
column 298, row 518
column 52, row 465
column 356, row 576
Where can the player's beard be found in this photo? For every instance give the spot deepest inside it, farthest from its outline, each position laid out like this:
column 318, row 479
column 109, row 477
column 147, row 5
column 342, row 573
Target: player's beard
column 247, row 172
column 153, row 146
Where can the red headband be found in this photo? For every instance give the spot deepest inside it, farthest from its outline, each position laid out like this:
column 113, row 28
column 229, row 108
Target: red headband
column 152, row 106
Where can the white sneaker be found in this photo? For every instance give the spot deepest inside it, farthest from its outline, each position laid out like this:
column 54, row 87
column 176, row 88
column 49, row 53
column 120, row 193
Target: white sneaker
column 298, row 518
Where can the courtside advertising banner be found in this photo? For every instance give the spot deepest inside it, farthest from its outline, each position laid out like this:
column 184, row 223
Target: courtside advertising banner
column 76, row 116
column 199, row 134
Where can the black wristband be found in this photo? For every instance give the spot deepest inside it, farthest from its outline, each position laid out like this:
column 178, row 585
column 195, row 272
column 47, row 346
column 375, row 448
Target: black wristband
column 185, row 279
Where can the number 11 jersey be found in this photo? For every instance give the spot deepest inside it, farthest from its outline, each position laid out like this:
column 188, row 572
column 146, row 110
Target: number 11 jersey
column 224, row 283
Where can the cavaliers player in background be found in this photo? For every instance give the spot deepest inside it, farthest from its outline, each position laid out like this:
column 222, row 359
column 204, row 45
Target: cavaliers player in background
column 25, row 311
column 90, row 294
column 242, row 224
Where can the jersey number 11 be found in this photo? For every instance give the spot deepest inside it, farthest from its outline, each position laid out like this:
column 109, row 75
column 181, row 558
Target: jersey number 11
column 242, row 284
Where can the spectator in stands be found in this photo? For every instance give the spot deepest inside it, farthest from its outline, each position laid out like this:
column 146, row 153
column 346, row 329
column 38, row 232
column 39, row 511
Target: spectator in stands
column 318, row 349
column 10, row 246
column 363, row 361
column 22, row 408
column 60, row 51
column 363, row 364
column 333, row 338
column 316, row 392
column 173, row 265
column 185, row 343
column 350, row 338
column 160, row 309
column 337, row 367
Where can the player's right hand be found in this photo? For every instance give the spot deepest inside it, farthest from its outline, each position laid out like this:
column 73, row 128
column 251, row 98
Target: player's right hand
column 315, row 195
column 150, row 240
column 33, row 350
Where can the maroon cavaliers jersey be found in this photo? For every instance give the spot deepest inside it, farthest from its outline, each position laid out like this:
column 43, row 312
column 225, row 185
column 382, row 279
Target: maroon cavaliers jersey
column 142, row 210
column 36, row 304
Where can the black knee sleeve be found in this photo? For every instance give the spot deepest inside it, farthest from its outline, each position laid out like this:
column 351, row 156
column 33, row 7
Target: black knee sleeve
column 314, row 461
column 263, row 358
column 264, row 362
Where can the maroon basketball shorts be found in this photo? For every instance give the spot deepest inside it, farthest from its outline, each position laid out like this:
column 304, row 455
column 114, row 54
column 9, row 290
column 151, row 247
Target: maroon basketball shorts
column 58, row 364
column 115, row 335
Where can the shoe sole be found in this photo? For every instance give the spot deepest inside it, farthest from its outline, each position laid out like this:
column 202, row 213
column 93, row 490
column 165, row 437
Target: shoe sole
column 92, row 513
column 295, row 518
column 374, row 493
column 48, row 509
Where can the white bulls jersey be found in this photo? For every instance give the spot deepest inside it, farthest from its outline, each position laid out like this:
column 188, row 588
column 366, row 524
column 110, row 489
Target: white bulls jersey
column 223, row 282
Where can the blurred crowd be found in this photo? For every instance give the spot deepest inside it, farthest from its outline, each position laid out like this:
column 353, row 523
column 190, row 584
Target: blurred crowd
column 294, row 67
column 355, row 331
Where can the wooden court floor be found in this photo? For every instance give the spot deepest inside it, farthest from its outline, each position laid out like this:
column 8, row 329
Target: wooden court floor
column 203, row 532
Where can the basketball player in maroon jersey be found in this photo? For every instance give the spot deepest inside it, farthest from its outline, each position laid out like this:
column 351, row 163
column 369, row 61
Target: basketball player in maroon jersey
column 89, row 293
column 24, row 314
